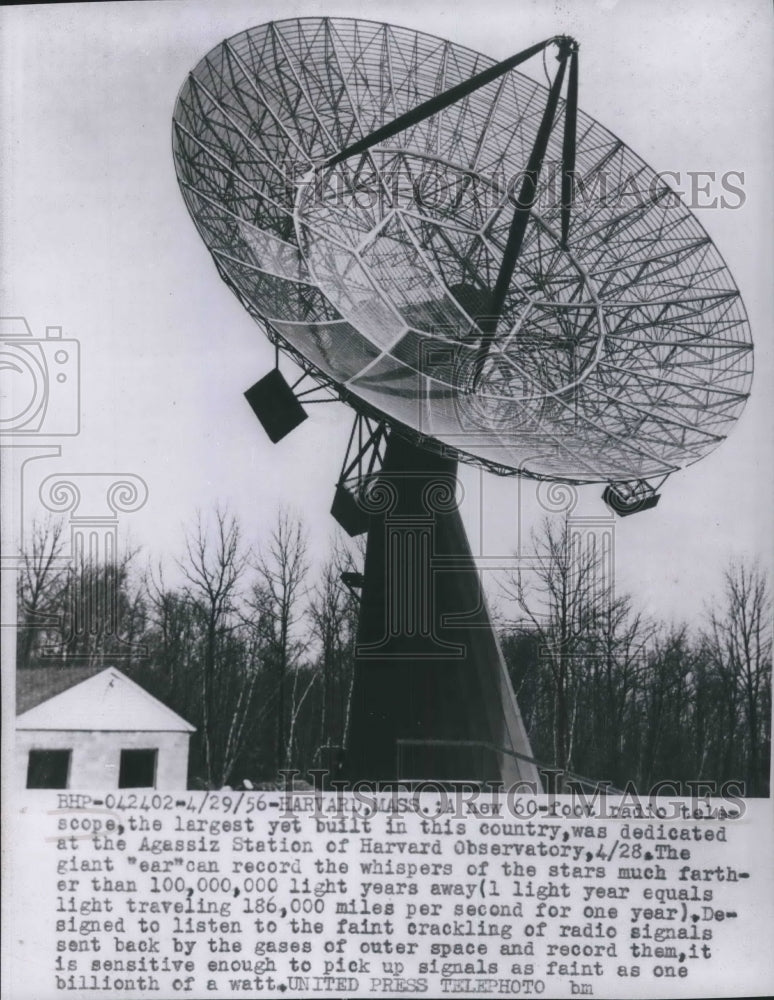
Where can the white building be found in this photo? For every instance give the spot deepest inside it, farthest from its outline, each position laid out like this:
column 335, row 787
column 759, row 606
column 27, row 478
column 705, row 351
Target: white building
column 105, row 733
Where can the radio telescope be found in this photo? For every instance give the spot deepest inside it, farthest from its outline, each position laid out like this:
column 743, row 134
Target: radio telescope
column 484, row 274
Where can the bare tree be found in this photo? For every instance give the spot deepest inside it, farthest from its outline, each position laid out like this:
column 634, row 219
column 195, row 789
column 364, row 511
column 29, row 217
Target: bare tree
column 333, row 613
column 617, row 662
column 277, row 608
column 560, row 600
column 238, row 679
column 77, row 609
column 41, row 581
column 171, row 624
column 666, row 701
column 213, row 567
column 297, row 698
column 741, row 646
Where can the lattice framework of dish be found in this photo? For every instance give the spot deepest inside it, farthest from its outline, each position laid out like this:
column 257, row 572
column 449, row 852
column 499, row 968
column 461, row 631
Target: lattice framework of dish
column 625, row 356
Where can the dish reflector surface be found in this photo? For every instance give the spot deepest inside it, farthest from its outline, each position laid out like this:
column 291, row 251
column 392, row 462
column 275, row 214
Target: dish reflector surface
column 625, row 356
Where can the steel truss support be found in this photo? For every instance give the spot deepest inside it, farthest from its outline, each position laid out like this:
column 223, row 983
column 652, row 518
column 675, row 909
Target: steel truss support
column 363, row 458
column 311, row 379
column 308, row 389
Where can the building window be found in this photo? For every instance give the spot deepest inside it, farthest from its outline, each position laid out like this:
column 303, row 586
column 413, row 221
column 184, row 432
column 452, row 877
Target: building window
column 138, row 769
column 48, row 768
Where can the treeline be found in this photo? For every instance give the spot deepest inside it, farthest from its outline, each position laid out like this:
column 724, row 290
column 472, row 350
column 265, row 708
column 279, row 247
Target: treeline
column 255, row 648
column 612, row 695
column 246, row 646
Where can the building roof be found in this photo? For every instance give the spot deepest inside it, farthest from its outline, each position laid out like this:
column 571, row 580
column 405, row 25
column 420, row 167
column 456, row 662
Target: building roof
column 106, row 702
column 37, row 684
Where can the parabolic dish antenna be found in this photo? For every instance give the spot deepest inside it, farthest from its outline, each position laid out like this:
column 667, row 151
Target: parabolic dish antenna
column 484, row 274
column 619, row 351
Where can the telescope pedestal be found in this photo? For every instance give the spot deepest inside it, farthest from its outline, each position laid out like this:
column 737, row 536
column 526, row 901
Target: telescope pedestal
column 431, row 697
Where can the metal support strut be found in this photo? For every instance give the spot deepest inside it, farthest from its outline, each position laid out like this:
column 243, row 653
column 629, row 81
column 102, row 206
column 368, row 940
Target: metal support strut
column 567, row 52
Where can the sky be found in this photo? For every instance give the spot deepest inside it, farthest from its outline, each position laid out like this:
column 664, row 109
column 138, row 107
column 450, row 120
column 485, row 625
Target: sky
column 96, row 239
